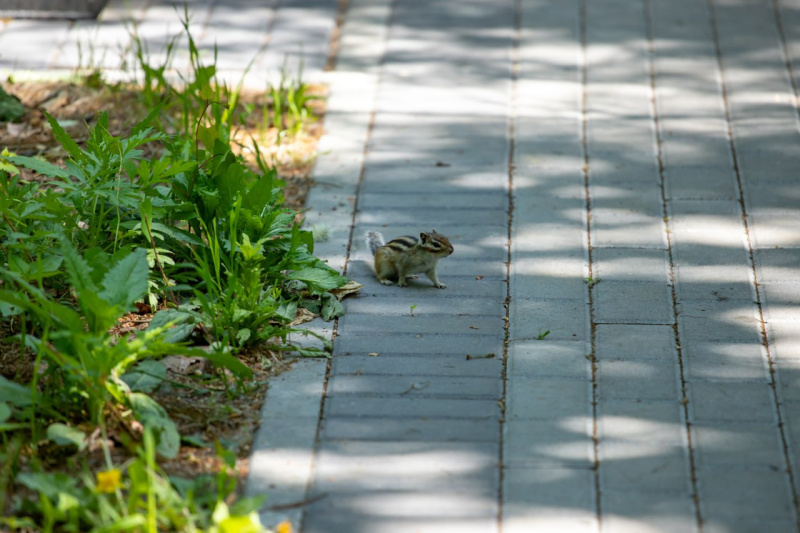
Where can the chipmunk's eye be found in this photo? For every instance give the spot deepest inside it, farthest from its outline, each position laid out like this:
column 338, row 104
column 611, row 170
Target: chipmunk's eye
column 436, row 245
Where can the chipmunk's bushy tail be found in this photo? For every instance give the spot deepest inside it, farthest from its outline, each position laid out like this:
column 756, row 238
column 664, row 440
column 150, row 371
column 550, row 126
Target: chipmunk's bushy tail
column 374, row 240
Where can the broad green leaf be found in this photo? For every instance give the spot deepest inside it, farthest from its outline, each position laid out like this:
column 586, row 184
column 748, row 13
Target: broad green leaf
column 100, row 316
column 126, row 282
column 318, row 280
column 64, row 435
column 14, row 393
column 152, row 415
column 184, row 324
column 5, row 412
column 260, row 194
column 243, row 335
column 145, row 376
column 287, row 311
column 331, row 307
column 49, row 484
column 39, row 166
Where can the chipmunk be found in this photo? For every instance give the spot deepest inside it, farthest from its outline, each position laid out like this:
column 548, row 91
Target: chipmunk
column 404, row 256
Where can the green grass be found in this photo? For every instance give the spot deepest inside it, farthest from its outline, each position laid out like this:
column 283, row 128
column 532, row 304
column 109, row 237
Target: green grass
column 194, row 232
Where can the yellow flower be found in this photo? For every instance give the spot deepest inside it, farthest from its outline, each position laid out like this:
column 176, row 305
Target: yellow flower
column 109, row 481
column 284, row 527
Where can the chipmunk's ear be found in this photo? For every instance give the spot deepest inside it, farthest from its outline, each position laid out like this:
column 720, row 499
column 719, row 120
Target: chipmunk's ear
column 433, row 231
column 423, row 237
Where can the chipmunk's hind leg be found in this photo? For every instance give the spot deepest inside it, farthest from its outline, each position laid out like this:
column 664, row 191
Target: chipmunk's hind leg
column 384, row 269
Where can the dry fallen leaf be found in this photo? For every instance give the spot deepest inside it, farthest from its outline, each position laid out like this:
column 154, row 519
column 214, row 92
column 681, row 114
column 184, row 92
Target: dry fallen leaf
column 303, row 315
column 479, row 278
column 352, row 287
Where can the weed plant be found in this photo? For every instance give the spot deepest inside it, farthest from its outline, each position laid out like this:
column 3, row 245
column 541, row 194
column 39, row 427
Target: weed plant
column 193, row 232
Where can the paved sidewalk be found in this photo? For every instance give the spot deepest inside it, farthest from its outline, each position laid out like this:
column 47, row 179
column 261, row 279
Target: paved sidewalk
column 653, row 233
column 618, row 346
column 267, row 33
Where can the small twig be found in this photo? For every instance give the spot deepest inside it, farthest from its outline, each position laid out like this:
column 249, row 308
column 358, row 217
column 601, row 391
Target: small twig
column 295, row 505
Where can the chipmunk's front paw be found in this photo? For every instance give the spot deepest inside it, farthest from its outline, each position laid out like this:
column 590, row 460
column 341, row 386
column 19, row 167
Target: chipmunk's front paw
column 440, row 285
column 386, row 281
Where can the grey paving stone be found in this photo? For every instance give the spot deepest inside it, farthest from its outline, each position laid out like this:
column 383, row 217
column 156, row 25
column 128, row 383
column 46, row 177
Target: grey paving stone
column 749, row 525
column 390, row 520
column 728, row 493
column 408, row 365
column 784, row 339
column 427, row 308
column 560, row 359
column 775, row 230
column 396, row 430
column 413, row 200
column 718, row 321
column 639, row 380
column 632, row 511
column 547, row 399
column 406, row 220
column 614, row 228
column 699, row 251
column 565, row 319
column 473, row 324
column 720, row 282
column 632, row 302
column 536, row 236
column 434, row 180
column 619, row 179
column 548, row 443
column 737, row 444
column 778, row 264
column 649, row 421
column 465, row 468
column 629, row 264
column 411, row 407
column 530, row 280
column 733, row 401
column 787, row 378
column 415, row 386
column 711, row 223
column 645, row 466
column 548, row 498
column 423, row 344
column 777, row 193
column 700, row 182
column 710, row 361
column 283, row 447
column 634, row 341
